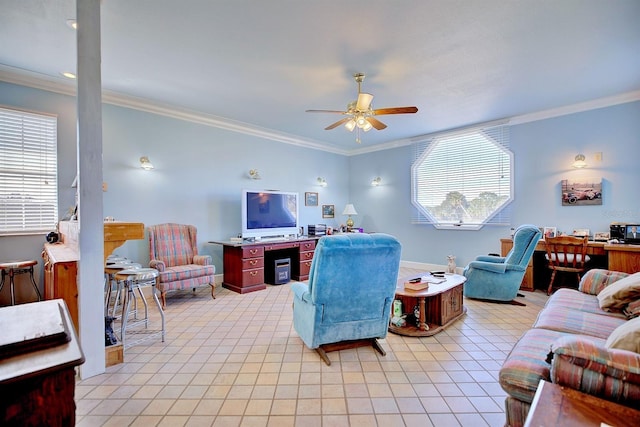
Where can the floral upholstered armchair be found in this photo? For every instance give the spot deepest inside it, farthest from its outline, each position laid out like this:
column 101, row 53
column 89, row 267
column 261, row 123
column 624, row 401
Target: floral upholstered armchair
column 173, row 251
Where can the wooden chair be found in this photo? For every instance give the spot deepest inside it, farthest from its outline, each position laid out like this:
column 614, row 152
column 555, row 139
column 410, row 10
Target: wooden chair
column 566, row 254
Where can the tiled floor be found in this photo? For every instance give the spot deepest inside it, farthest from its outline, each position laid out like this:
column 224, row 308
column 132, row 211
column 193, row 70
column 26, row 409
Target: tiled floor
column 236, row 361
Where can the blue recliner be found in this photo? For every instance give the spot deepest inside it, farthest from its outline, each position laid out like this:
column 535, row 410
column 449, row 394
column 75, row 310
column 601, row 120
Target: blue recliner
column 498, row 278
column 347, row 301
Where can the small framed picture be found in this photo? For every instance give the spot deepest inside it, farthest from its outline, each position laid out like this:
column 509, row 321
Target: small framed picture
column 328, row 211
column 601, row 236
column 310, row 199
column 581, row 232
column 549, row 232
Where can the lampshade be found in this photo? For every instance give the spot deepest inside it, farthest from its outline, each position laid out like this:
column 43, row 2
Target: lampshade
column 145, row 163
column 579, row 161
column 349, row 210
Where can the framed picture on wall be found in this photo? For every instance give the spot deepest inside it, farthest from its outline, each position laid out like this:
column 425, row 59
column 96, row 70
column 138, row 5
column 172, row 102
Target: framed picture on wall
column 581, row 192
column 328, row 211
column 310, row 199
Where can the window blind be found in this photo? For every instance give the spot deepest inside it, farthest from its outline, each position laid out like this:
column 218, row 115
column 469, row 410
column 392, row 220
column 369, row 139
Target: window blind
column 28, row 172
column 463, row 178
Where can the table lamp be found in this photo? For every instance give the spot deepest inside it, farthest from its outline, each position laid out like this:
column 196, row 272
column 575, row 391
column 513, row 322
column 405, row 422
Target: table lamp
column 349, row 210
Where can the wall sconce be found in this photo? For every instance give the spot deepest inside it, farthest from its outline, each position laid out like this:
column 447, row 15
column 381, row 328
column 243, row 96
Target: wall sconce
column 145, row 163
column 376, row 181
column 254, row 174
column 579, row 162
column 322, row 182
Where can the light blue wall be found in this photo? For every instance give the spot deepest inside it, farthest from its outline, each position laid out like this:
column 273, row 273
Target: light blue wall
column 543, row 151
column 200, row 172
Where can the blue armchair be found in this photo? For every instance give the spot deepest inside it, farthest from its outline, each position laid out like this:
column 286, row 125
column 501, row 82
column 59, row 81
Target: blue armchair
column 347, row 301
column 499, row 278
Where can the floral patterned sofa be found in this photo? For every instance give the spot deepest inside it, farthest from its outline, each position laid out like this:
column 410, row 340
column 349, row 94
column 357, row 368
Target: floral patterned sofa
column 576, row 343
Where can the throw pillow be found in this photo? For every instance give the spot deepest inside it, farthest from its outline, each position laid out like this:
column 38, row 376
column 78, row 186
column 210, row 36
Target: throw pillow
column 626, row 336
column 620, row 293
column 632, row 309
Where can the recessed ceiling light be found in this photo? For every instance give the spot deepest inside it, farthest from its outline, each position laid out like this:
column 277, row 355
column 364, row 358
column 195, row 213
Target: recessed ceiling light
column 68, row 75
column 72, row 23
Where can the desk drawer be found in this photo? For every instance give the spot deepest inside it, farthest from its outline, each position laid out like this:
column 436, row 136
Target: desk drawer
column 252, row 263
column 306, row 256
column 305, row 268
column 253, row 277
column 308, row 245
column 253, row 252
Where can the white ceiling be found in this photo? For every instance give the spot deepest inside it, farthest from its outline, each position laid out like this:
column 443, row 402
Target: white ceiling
column 263, row 63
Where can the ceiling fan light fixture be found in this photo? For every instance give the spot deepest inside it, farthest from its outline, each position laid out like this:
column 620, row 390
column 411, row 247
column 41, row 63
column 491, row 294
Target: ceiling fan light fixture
column 367, row 126
column 361, row 121
column 350, row 125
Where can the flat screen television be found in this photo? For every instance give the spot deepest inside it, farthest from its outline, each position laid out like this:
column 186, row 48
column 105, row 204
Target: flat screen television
column 632, row 234
column 269, row 213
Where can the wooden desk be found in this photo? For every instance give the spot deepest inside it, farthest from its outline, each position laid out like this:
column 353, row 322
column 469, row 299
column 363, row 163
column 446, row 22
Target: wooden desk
column 554, row 405
column 245, row 265
column 624, row 258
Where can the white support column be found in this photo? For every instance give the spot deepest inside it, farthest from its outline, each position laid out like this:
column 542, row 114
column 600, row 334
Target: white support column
column 91, row 239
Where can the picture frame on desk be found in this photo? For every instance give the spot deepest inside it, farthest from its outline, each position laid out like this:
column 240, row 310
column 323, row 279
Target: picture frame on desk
column 549, row 232
column 601, row 236
column 310, row 199
column 581, row 232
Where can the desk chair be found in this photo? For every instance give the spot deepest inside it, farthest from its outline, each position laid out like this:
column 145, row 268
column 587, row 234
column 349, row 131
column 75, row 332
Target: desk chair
column 566, row 254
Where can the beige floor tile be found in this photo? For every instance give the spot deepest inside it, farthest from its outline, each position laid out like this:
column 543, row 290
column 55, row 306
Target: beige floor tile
column 237, row 361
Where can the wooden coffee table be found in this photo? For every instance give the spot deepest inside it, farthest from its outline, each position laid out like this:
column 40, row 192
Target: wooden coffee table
column 554, row 405
column 439, row 305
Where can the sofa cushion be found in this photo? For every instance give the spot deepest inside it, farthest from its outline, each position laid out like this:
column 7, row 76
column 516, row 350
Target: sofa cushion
column 626, row 336
column 575, row 300
column 632, row 309
column 578, row 322
column 620, row 293
column 595, row 280
column 526, row 364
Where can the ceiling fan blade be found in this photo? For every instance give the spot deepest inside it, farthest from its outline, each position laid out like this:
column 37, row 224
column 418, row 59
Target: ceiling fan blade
column 325, row 111
column 364, row 101
column 338, row 123
column 395, row 110
column 376, row 123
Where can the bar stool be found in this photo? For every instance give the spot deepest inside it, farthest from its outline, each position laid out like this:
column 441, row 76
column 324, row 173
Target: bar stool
column 18, row 267
column 131, row 280
column 110, row 271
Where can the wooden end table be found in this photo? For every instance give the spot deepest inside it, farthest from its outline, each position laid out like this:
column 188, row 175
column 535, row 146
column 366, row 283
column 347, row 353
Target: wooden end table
column 439, row 305
column 554, row 405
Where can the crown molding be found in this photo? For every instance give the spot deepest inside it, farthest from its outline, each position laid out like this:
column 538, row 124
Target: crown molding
column 62, row 86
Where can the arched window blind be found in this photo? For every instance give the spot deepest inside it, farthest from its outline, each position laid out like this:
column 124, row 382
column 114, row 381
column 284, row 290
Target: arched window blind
column 463, row 179
column 28, row 172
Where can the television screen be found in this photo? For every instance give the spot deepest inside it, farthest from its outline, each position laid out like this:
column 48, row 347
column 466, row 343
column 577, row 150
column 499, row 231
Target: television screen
column 269, row 213
column 632, row 234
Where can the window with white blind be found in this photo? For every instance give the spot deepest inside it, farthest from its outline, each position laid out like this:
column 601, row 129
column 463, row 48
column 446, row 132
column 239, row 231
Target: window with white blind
column 28, row 172
column 463, row 179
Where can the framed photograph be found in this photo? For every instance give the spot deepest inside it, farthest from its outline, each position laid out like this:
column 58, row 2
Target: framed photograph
column 328, row 211
column 549, row 232
column 601, row 236
column 310, row 199
column 583, row 192
column 581, row 232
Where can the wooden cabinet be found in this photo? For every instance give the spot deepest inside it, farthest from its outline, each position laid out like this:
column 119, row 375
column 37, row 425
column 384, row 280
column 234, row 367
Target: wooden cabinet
column 60, row 277
column 243, row 268
column 444, row 307
column 246, row 265
column 625, row 258
column 306, row 255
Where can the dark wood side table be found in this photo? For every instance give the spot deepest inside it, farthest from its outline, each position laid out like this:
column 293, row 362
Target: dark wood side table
column 554, row 405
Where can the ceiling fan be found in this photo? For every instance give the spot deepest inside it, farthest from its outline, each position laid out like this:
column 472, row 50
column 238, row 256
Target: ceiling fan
column 360, row 115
